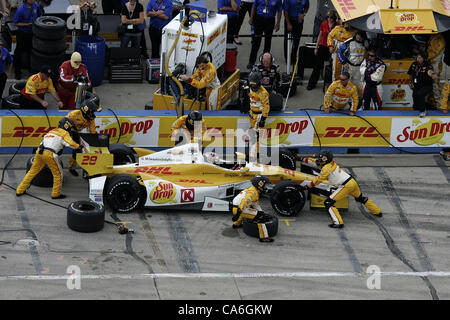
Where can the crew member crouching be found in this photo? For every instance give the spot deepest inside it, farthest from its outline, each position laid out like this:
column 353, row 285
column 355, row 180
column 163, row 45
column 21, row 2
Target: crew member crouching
column 184, row 128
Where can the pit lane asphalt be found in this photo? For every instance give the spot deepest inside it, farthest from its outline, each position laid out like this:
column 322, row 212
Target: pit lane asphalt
column 194, row 255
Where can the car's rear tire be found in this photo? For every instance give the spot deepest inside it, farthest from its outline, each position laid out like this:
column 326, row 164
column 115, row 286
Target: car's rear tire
column 45, row 177
column 250, row 226
column 85, row 216
column 122, row 154
column 287, row 159
column 123, row 193
column 287, row 198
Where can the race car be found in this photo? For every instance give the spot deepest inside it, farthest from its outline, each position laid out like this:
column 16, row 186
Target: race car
column 183, row 177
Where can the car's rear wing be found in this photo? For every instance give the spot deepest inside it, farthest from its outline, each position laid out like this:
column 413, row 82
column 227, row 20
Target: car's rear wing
column 95, row 159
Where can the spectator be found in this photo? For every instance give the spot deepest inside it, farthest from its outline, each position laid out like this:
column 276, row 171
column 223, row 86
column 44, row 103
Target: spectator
column 112, row 6
column 89, row 24
column 246, row 7
column 335, row 39
column 321, row 52
column 263, row 20
column 205, row 77
column 132, row 17
column 372, row 70
column 27, row 12
column 444, row 96
column 351, row 54
column 340, row 94
column 4, row 8
column 270, row 72
column 144, row 52
column 231, row 9
column 5, row 61
column 160, row 13
column 322, row 9
column 421, row 82
column 69, row 72
column 32, row 95
column 294, row 14
column 435, row 51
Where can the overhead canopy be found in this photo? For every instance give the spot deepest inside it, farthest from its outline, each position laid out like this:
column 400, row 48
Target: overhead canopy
column 403, row 17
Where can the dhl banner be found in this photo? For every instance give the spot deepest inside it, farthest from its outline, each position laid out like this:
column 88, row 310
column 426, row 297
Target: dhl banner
column 152, row 129
column 408, row 21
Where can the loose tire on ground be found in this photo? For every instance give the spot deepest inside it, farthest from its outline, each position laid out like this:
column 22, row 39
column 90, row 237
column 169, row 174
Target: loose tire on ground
column 11, row 102
column 123, row 193
column 44, row 178
column 17, row 87
column 250, row 227
column 85, row 216
column 287, row 198
column 49, row 28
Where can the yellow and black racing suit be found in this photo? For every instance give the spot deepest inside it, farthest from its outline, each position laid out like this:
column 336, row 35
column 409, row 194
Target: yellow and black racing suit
column 338, row 96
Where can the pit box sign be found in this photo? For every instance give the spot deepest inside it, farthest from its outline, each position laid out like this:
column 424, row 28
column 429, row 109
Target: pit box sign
column 420, row 132
column 134, row 131
column 283, row 131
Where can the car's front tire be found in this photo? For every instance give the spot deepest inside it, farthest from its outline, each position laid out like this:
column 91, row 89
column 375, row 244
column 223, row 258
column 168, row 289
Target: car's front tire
column 123, row 193
column 287, row 198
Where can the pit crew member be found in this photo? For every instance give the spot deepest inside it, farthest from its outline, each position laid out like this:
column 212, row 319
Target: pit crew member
column 444, row 96
column 205, row 77
column 335, row 39
column 345, row 184
column 82, row 118
column 69, row 72
column 340, row 93
column 246, row 206
column 184, row 128
column 372, row 69
column 435, row 51
column 48, row 154
column 32, row 95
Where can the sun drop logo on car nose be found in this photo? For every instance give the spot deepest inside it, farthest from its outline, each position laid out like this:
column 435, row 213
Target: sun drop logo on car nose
column 163, row 193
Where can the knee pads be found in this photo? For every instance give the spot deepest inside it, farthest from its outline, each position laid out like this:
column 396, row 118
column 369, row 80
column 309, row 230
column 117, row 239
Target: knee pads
column 328, row 203
column 362, row 199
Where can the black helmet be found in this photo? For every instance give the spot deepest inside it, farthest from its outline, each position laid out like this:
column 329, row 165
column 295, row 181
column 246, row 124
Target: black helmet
column 323, row 157
column 192, row 117
column 68, row 125
column 254, row 80
column 88, row 109
column 261, row 182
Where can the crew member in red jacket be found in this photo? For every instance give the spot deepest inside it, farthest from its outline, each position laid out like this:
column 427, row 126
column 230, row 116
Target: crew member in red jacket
column 69, row 72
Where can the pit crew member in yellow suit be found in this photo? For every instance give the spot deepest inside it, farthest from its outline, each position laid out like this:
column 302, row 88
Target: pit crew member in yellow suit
column 335, row 39
column 345, row 184
column 246, row 206
column 83, row 118
column 444, row 96
column 435, row 50
column 205, row 77
column 340, row 93
column 184, row 128
column 259, row 108
column 48, row 154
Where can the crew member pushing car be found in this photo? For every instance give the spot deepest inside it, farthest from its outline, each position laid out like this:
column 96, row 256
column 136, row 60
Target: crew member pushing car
column 246, row 206
column 82, row 118
column 344, row 183
column 48, row 154
column 184, row 128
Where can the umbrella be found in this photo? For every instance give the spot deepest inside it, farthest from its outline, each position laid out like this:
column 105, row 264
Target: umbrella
column 396, row 16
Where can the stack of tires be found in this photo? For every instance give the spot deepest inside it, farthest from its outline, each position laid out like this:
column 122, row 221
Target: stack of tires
column 49, row 43
column 12, row 101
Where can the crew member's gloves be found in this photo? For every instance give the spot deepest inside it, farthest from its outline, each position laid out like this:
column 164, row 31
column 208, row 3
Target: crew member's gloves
column 262, row 122
column 236, row 216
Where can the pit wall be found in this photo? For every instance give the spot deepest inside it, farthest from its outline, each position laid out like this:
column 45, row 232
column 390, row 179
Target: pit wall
column 304, row 130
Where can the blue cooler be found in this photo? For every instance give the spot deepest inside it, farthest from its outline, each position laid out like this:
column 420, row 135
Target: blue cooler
column 152, row 70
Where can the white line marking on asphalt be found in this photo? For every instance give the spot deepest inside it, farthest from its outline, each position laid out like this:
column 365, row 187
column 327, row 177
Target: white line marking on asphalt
column 202, row 275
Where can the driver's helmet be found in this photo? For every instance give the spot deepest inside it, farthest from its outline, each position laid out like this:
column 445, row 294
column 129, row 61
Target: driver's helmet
column 261, row 183
column 212, row 157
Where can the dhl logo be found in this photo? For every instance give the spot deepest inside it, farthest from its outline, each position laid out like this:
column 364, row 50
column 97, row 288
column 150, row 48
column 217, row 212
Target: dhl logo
column 396, row 81
column 189, row 41
column 193, row 181
column 352, row 132
column 20, row 132
column 409, row 29
column 425, row 134
column 213, row 36
column 346, row 6
column 191, row 35
column 188, row 48
column 153, row 170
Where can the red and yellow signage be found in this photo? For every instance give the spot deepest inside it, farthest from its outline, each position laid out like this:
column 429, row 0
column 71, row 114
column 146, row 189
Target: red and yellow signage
column 163, row 192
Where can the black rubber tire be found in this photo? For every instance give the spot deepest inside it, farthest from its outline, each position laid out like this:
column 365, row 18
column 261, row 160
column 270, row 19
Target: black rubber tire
column 287, row 159
column 11, row 102
column 123, row 193
column 49, row 46
column 250, row 227
column 49, row 28
column 44, row 178
column 17, row 87
column 85, row 216
column 122, row 154
column 287, row 198
column 53, row 60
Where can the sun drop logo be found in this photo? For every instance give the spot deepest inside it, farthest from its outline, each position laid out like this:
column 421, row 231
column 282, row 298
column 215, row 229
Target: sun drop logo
column 425, row 134
column 407, row 18
column 163, row 193
column 279, row 130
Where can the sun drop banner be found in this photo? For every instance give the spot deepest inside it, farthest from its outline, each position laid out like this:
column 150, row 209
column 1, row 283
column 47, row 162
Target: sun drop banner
column 420, row 132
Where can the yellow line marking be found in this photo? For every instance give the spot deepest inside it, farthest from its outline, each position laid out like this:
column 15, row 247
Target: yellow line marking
column 287, row 221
